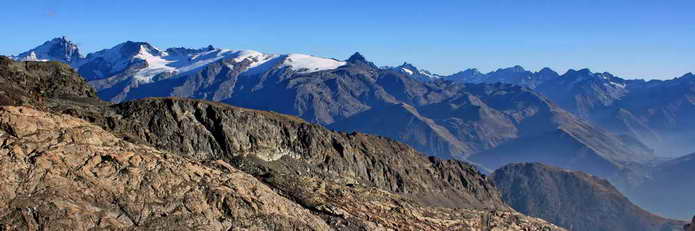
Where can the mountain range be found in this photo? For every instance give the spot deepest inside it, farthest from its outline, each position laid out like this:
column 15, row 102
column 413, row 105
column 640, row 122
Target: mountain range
column 593, row 122
column 71, row 161
column 327, row 91
column 657, row 112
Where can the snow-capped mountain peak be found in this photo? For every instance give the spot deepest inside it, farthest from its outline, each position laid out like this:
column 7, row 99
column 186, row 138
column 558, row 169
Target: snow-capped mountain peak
column 141, row 62
column 406, row 68
column 411, row 70
column 126, row 51
column 145, row 62
column 58, row 49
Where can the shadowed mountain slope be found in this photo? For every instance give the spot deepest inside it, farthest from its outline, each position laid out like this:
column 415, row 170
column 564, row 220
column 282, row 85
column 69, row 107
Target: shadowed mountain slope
column 677, row 201
column 574, row 200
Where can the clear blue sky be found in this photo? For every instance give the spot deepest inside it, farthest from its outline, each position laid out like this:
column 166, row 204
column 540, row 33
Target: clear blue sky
column 631, row 38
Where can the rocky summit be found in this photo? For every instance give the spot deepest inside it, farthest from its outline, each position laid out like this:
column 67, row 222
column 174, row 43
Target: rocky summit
column 71, row 161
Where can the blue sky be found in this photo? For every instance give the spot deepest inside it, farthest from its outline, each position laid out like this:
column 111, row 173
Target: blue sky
column 645, row 39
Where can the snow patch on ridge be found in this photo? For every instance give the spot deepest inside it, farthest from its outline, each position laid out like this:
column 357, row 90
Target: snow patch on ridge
column 155, row 65
column 31, row 56
column 407, row 71
column 618, row 85
column 306, row 63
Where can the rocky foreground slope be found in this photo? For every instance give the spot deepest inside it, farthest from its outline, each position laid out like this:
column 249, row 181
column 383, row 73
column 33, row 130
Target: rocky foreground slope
column 172, row 163
column 59, row 172
column 574, row 200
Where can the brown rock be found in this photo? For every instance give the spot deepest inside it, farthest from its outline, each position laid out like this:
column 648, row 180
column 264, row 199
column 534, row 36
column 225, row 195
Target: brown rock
column 59, row 172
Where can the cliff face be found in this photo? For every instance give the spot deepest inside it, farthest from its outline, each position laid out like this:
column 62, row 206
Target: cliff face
column 164, row 163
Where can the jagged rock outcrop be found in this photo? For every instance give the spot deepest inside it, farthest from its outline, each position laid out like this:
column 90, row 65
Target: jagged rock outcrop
column 574, row 200
column 58, row 49
column 164, row 163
